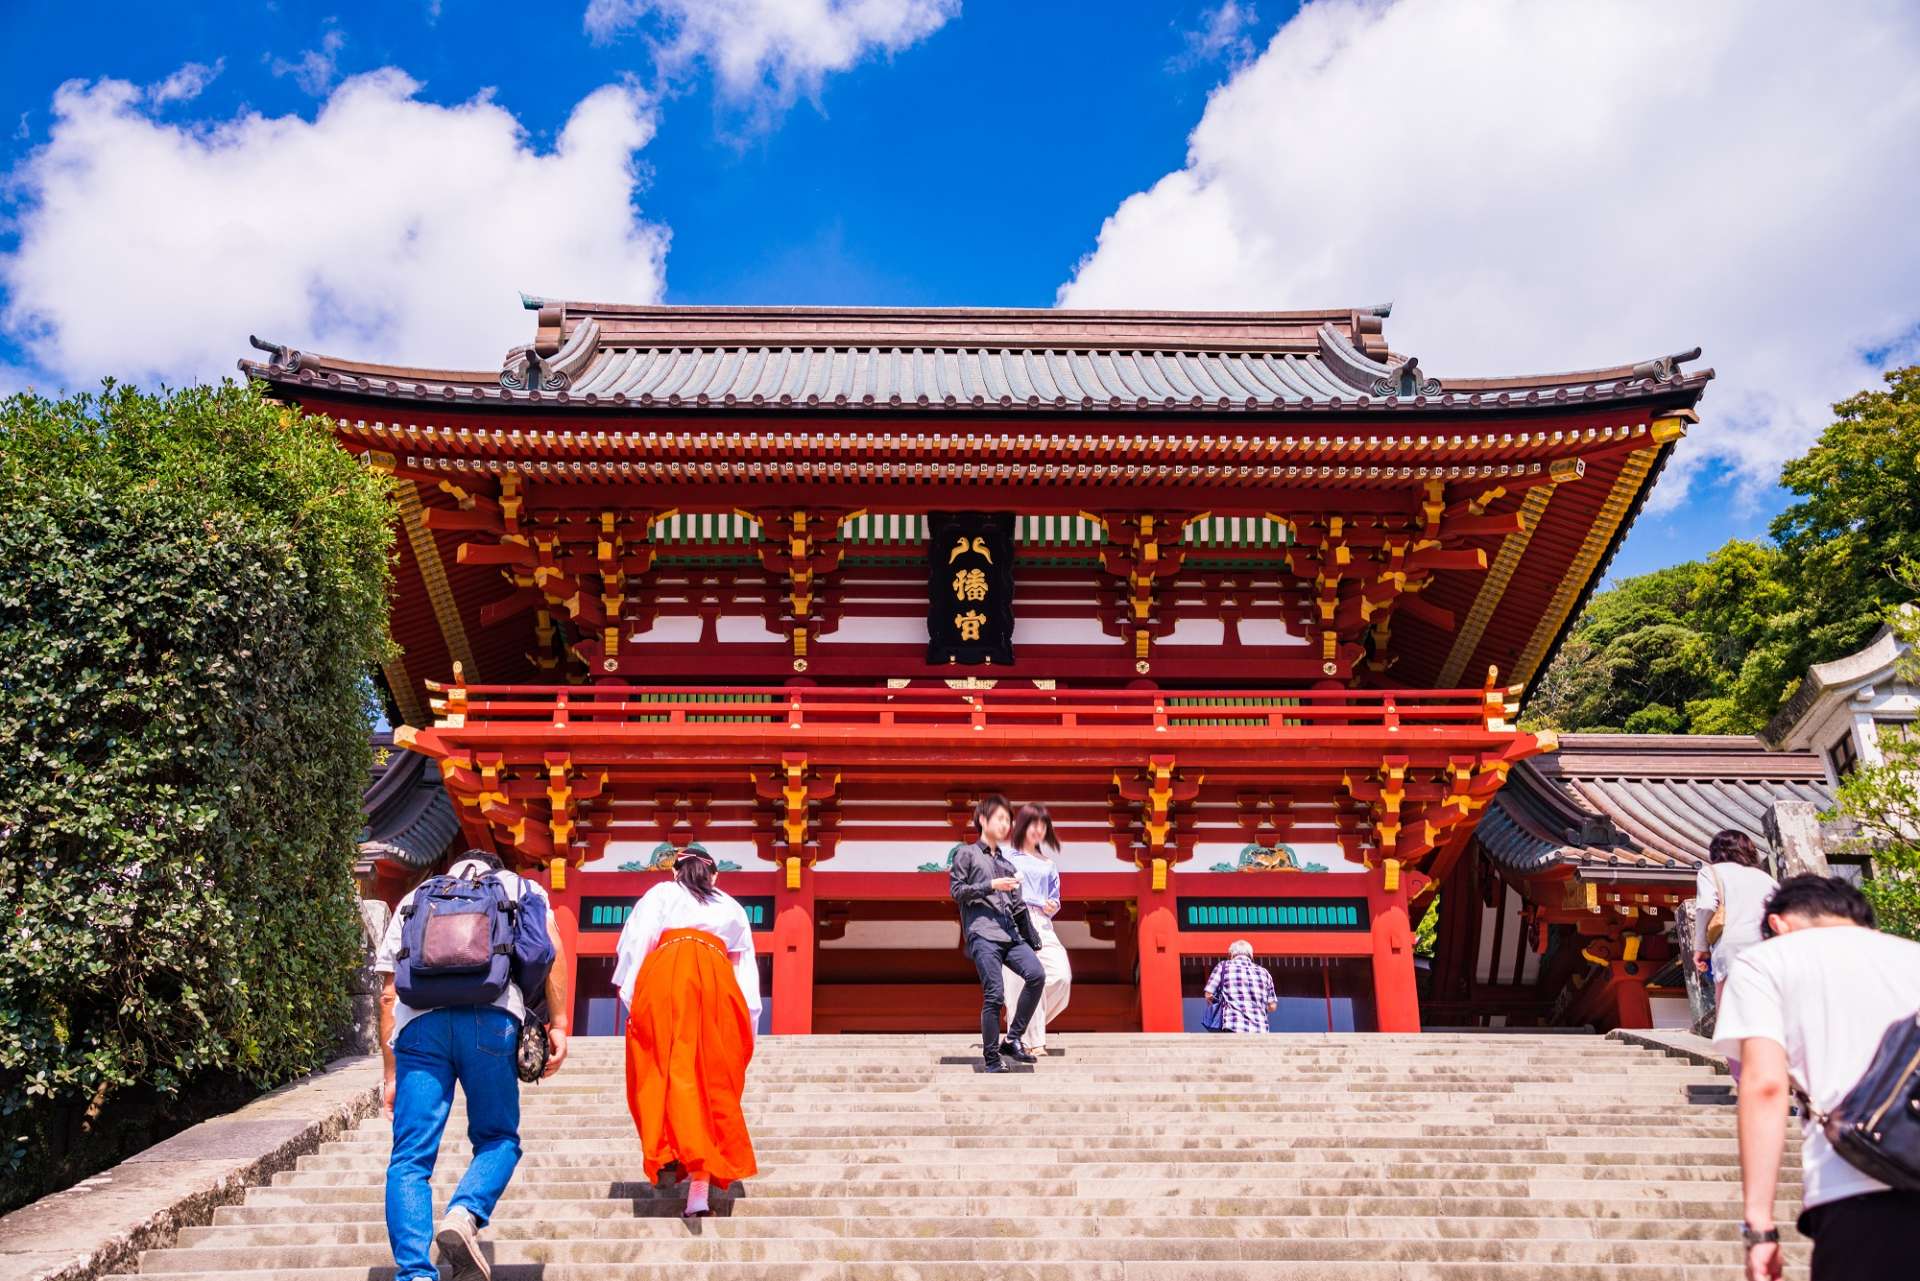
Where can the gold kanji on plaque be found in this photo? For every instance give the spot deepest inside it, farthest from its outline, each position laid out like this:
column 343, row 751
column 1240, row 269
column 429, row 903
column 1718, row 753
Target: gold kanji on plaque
column 970, row 584
column 970, row 624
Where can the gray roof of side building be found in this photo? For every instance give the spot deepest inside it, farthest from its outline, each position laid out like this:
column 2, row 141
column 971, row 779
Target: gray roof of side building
column 1645, row 805
column 410, row 817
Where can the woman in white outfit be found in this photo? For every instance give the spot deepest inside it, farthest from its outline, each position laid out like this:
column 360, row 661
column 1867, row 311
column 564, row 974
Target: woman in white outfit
column 1033, row 845
column 1734, row 883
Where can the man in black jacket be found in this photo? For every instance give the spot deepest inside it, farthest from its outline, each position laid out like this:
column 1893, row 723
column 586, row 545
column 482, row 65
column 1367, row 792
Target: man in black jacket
column 982, row 879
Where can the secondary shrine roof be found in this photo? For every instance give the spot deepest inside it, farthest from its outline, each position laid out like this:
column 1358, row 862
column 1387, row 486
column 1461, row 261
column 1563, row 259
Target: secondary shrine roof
column 593, row 355
column 1641, row 806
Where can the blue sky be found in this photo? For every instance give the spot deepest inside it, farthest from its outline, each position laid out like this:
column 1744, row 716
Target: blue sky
column 930, row 153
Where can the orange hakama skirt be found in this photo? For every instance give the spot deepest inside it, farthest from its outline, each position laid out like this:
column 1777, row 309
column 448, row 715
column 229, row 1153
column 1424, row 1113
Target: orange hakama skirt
column 689, row 1039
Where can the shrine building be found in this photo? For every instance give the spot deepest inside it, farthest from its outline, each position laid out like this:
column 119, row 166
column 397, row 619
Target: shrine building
column 1249, row 600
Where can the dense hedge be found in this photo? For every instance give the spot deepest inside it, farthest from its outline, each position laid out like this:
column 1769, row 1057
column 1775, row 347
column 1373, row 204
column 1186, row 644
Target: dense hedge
column 192, row 592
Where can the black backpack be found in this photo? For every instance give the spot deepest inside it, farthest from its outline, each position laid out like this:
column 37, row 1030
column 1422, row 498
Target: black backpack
column 1876, row 1127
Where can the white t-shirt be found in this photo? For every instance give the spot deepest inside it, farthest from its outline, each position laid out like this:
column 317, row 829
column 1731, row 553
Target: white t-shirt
column 1747, row 891
column 1827, row 996
column 668, row 906
column 387, row 959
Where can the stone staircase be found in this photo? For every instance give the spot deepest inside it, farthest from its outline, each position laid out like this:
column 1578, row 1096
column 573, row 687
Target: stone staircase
column 1134, row 1158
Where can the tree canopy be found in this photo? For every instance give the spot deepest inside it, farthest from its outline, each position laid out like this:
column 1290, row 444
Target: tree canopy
column 1716, row 646
column 192, row 591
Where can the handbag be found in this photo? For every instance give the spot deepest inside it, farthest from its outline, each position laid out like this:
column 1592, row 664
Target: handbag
column 534, row 1048
column 1215, row 1019
column 1717, row 923
column 1023, row 922
column 1876, row 1127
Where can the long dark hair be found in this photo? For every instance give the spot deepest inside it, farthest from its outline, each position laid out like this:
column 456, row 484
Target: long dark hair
column 693, row 868
column 1733, row 846
column 1026, row 818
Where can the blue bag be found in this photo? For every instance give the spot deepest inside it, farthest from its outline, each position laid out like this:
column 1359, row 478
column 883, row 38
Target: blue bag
column 457, row 941
column 533, row 952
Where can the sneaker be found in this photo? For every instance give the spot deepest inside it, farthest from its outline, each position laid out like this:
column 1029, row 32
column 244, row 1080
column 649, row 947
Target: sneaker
column 459, row 1242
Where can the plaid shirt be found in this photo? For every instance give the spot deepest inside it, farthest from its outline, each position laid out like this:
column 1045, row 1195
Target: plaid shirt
column 1244, row 990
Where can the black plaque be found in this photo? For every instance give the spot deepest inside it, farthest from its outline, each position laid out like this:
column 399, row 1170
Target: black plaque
column 970, row 588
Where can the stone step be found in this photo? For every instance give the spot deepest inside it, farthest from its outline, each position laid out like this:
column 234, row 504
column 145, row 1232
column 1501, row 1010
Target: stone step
column 1185, row 1158
column 623, row 1173
column 331, row 1205
column 1053, row 1163
column 239, row 1226
column 700, row 1248
column 1113, row 1270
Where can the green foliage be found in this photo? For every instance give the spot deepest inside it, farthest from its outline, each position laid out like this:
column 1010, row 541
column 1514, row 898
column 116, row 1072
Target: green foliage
column 1715, row 646
column 1883, row 801
column 1426, row 935
column 192, row 590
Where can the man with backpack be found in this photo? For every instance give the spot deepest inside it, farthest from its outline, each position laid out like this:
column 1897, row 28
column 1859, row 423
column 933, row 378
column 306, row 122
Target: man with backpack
column 1825, row 1008
column 462, row 955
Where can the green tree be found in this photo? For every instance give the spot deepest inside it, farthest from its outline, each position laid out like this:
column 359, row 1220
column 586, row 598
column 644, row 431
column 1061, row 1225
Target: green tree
column 1883, row 801
column 1857, row 521
column 1717, row 646
column 192, row 590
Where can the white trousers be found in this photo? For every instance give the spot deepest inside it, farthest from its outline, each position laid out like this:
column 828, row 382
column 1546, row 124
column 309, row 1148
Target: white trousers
column 1053, row 998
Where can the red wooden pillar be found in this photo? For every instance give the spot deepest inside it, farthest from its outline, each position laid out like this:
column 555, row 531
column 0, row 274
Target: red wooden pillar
column 1631, row 1006
column 1160, row 1006
column 565, row 902
column 793, row 942
column 1396, row 1002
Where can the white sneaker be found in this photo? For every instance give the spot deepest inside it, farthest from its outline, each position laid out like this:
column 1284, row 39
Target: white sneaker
column 459, row 1242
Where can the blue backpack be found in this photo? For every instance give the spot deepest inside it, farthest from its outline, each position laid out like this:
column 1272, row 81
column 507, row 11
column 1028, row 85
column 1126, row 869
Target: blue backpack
column 463, row 939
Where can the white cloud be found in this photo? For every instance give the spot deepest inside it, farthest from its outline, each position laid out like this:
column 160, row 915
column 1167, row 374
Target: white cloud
column 385, row 228
column 316, row 69
column 1224, row 36
column 1545, row 186
column 186, row 84
column 778, row 47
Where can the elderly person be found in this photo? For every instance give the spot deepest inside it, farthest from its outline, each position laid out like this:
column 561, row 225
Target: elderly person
column 1242, row 991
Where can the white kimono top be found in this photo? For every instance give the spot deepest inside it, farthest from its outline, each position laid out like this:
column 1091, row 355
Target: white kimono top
column 668, row 906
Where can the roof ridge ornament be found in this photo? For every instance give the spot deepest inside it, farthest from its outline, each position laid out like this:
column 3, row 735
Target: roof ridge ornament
column 1402, row 377
column 525, row 368
column 1666, row 368
column 279, row 356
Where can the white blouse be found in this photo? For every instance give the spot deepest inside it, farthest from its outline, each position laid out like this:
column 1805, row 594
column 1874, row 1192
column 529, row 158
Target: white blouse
column 668, row 906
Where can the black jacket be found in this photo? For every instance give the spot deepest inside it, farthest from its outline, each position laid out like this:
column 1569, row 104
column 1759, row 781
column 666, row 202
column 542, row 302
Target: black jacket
column 984, row 911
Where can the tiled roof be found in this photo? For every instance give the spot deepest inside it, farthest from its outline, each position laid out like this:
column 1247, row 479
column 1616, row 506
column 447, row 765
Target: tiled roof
column 1643, row 805
column 598, row 356
column 410, row 818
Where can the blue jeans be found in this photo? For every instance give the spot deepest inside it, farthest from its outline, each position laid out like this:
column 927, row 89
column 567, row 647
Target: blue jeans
column 475, row 1046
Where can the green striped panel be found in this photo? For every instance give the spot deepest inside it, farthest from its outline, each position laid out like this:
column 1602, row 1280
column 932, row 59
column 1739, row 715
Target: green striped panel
column 1236, row 531
column 1057, row 531
column 1249, row 722
column 705, row 528
column 751, row 718
column 892, row 528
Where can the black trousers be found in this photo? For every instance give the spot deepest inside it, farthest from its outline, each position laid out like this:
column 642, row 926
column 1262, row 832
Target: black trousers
column 1872, row 1237
column 988, row 955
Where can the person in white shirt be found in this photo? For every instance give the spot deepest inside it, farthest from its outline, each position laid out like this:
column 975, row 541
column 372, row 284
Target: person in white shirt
column 1033, row 840
column 424, row 1053
column 687, row 973
column 1735, row 883
column 1809, row 1007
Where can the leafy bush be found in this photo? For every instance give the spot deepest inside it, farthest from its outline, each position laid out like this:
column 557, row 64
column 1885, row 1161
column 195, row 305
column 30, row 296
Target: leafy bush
column 192, row 589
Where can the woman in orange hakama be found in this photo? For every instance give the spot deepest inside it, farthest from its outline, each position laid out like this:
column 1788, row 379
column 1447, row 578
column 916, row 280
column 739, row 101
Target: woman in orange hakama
column 687, row 972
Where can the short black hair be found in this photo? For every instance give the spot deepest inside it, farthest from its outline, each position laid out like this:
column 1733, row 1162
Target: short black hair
column 488, row 857
column 1812, row 896
column 984, row 807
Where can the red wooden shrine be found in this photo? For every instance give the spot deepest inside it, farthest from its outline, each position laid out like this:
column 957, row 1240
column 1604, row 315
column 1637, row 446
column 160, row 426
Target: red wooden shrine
column 670, row 575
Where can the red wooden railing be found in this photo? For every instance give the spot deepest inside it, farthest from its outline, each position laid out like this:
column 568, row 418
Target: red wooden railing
column 1046, row 711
